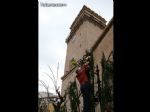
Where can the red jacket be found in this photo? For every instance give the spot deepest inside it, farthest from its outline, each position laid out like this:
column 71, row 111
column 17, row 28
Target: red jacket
column 82, row 75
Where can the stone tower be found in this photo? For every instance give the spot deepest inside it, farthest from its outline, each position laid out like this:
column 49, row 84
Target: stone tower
column 85, row 31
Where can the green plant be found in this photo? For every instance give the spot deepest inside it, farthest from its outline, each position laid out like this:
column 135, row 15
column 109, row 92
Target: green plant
column 106, row 98
column 73, row 96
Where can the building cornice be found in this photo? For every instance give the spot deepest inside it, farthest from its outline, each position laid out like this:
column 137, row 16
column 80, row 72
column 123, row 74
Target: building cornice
column 102, row 35
column 86, row 14
column 68, row 73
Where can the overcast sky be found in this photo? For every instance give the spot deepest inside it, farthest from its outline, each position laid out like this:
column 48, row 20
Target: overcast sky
column 54, row 24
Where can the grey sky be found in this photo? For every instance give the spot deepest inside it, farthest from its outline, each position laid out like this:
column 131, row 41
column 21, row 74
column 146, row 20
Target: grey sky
column 54, row 24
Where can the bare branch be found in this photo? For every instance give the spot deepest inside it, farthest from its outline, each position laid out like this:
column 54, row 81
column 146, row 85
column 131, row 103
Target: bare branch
column 57, row 73
column 51, row 79
column 43, row 83
column 52, row 74
column 46, row 87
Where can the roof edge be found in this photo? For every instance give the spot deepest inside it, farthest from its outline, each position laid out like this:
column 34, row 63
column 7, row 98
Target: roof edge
column 103, row 34
column 85, row 8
